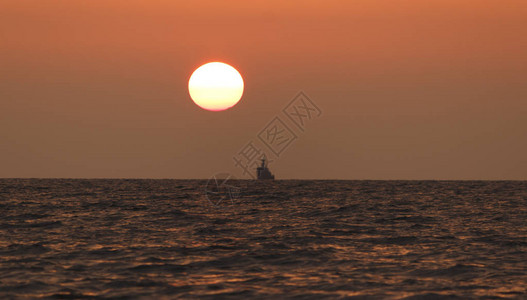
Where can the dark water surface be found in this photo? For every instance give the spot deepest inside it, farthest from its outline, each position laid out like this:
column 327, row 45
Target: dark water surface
column 283, row 239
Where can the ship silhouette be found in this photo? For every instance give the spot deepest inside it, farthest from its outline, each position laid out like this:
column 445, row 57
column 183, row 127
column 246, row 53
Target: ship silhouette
column 262, row 172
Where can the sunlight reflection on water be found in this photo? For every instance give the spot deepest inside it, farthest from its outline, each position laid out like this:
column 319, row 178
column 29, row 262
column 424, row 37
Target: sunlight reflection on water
column 313, row 239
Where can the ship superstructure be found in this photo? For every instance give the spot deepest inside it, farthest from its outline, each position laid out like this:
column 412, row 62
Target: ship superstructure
column 263, row 172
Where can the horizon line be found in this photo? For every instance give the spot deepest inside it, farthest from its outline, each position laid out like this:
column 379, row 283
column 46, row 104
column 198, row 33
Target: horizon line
column 247, row 179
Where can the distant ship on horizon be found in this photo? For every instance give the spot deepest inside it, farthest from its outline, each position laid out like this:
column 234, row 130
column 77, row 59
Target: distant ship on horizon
column 263, row 172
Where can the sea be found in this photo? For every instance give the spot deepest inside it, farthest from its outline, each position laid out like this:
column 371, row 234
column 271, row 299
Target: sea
column 243, row 239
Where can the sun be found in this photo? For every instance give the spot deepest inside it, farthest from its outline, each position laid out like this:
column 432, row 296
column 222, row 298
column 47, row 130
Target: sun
column 215, row 86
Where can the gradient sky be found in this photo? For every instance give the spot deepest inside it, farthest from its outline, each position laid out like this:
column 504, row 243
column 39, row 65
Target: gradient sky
column 409, row 89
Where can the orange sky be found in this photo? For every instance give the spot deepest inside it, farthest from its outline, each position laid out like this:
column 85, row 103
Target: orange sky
column 409, row 89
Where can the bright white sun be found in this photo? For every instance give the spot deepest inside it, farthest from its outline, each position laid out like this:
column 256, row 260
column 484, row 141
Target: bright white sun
column 215, row 86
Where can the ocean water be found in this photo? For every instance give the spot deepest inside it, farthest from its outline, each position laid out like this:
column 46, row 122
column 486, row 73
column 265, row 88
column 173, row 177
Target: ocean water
column 155, row 239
